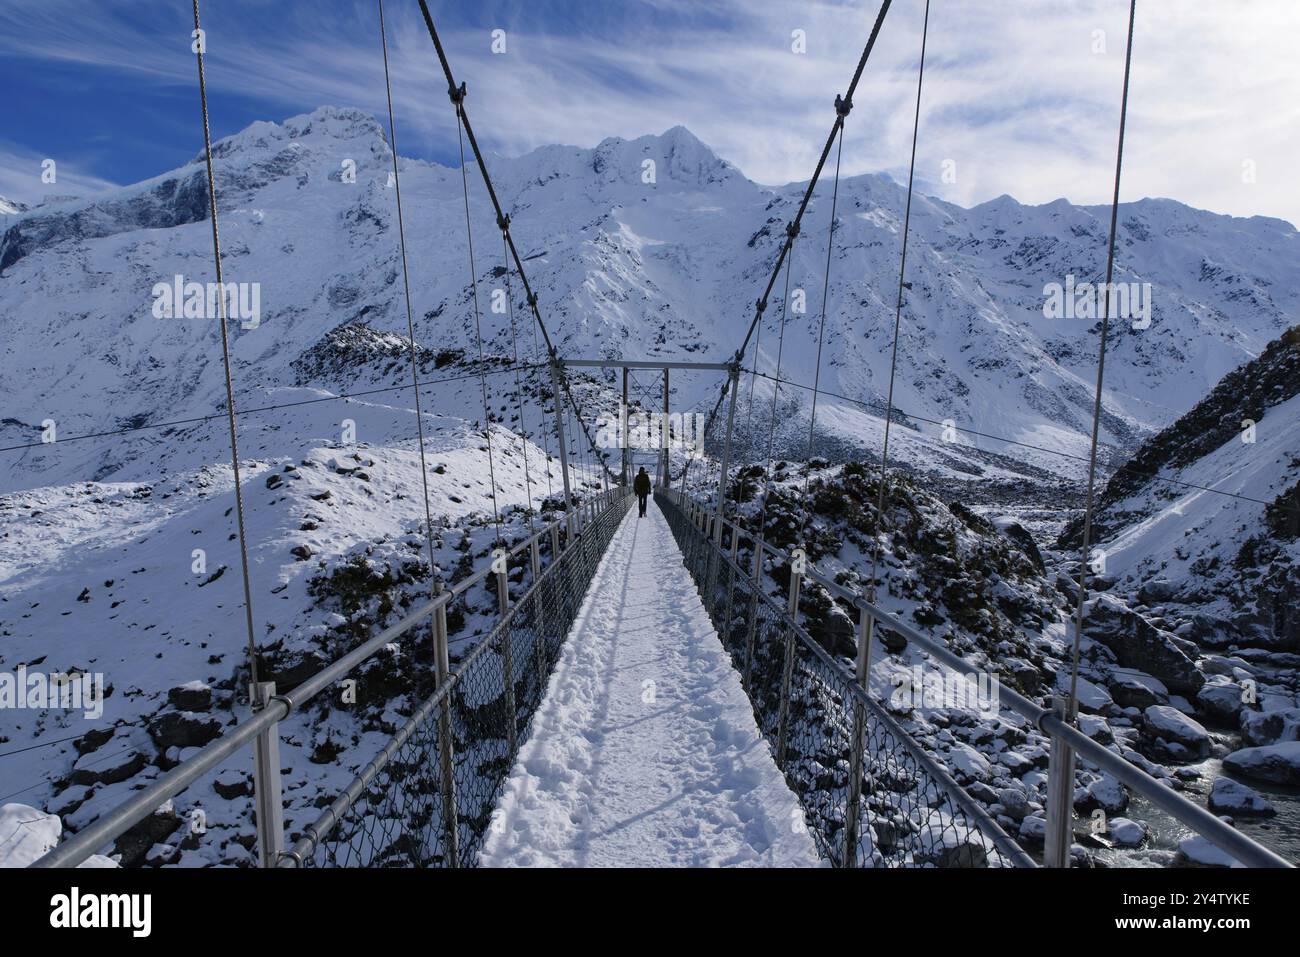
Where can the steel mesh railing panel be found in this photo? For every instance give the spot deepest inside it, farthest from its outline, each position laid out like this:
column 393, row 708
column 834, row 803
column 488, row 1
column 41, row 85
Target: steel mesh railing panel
column 910, row 811
column 393, row 814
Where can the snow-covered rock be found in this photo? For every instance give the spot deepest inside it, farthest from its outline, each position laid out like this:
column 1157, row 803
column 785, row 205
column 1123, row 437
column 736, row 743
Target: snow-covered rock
column 1172, row 726
column 1276, row 763
column 1127, row 833
column 1232, row 797
column 27, row 834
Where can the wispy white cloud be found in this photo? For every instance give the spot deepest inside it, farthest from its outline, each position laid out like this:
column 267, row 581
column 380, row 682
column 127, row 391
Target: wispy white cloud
column 23, row 175
column 1017, row 94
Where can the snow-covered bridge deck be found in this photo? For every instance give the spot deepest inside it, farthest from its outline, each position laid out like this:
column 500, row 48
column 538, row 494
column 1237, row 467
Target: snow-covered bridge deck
column 645, row 750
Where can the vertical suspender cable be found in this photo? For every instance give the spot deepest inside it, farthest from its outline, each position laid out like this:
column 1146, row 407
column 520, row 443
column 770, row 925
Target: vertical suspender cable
column 519, row 388
column 842, row 108
column 1101, row 371
column 410, row 322
column 225, row 357
column 776, row 386
column 457, row 96
column 898, row 313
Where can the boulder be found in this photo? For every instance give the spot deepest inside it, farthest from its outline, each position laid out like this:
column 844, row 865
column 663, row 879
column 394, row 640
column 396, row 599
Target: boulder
column 1169, row 725
column 1232, row 797
column 1105, row 793
column 1221, row 700
column 1015, row 803
column 191, row 696
column 1157, row 592
column 183, row 729
column 1270, row 727
column 1131, row 690
column 1139, row 644
column 91, row 768
column 1275, row 763
column 1127, row 833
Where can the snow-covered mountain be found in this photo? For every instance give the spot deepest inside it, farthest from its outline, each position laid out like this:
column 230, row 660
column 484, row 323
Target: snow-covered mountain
column 11, row 207
column 1206, row 515
column 622, row 267
column 99, row 535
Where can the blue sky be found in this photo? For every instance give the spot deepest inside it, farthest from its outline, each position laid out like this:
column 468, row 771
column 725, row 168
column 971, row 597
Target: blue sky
column 1021, row 96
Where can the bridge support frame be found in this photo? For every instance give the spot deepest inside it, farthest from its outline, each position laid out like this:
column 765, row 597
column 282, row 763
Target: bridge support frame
column 853, row 813
column 787, row 672
column 1060, row 796
column 664, row 438
column 507, row 655
column 267, row 795
column 623, row 479
column 559, row 432
column 445, row 757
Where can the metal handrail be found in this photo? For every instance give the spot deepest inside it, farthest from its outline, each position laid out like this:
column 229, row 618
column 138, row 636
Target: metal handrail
column 315, row 832
column 126, row 815
column 1222, row 835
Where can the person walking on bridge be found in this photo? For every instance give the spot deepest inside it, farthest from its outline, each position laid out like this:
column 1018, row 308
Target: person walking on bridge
column 641, row 485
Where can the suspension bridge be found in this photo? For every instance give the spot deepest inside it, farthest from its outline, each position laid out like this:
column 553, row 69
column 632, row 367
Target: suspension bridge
column 651, row 690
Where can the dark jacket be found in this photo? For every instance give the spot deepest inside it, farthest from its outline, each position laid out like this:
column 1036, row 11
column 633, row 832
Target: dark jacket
column 641, row 485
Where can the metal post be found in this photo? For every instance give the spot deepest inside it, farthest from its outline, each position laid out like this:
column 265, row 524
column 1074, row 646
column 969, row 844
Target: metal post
column 733, row 387
column 507, row 661
column 555, row 541
column 559, row 431
column 753, row 614
column 535, row 558
column 866, row 634
column 787, row 674
column 266, row 781
column 663, row 437
column 445, row 757
column 1060, row 797
column 731, row 589
column 622, row 432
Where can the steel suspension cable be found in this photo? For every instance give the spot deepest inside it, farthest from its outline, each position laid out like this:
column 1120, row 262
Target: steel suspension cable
column 776, row 389
column 842, row 107
column 478, row 330
column 898, row 314
column 519, row 389
column 1073, row 703
column 457, row 94
column 434, row 583
column 225, row 351
column 821, row 328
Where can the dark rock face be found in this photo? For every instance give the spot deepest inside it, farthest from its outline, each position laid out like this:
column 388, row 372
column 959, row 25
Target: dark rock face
column 182, row 729
column 1245, row 393
column 135, row 843
column 191, row 698
column 173, row 202
column 1024, row 541
column 1139, row 644
column 129, row 767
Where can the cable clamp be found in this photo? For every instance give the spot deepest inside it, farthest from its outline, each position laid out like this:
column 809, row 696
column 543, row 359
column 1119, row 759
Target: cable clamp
column 457, row 94
column 792, row 228
column 503, row 223
column 532, row 301
column 761, row 305
column 842, row 106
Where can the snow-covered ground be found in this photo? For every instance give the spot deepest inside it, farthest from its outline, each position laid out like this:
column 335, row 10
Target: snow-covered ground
column 645, row 750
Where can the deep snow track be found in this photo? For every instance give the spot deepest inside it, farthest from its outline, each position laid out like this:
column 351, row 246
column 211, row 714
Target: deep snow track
column 645, row 750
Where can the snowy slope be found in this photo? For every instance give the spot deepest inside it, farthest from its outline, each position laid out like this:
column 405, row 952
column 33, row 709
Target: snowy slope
column 622, row 267
column 1234, row 557
column 99, row 535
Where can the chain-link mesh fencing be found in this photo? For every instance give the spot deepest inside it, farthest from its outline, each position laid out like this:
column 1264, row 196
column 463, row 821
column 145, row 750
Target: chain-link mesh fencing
column 426, row 800
column 810, row 708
